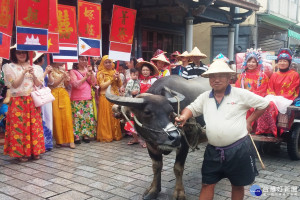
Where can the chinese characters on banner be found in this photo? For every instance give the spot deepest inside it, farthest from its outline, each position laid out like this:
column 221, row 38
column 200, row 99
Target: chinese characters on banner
column 6, row 26
column 89, row 20
column 121, row 33
column 67, row 28
column 32, row 13
column 68, row 38
column 53, row 35
column 89, row 28
column 6, row 16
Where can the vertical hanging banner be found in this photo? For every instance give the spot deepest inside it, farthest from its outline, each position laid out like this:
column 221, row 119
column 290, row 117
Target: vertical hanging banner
column 89, row 20
column 32, row 13
column 121, row 33
column 89, row 28
column 4, row 45
column 53, row 35
column 67, row 26
column 68, row 38
column 6, row 26
column 6, row 16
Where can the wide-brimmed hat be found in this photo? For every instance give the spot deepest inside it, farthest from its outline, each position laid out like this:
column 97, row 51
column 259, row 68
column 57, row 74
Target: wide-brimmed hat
column 161, row 57
column 175, row 53
column 13, row 47
column 142, row 63
column 218, row 66
column 184, row 54
column 36, row 55
column 197, row 52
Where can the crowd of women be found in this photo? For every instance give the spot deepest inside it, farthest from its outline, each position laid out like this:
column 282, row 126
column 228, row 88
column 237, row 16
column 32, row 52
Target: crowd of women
column 80, row 111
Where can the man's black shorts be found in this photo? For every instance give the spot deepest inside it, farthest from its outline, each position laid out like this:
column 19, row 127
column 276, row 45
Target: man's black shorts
column 239, row 164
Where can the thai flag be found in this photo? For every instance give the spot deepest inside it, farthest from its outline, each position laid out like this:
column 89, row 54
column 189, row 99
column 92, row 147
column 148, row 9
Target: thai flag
column 89, row 47
column 4, row 45
column 32, row 39
column 67, row 53
column 119, row 51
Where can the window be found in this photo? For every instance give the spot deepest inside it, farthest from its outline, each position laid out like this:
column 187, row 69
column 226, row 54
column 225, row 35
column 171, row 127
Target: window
column 153, row 40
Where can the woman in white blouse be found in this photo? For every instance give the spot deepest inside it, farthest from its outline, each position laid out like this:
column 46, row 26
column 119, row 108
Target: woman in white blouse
column 24, row 131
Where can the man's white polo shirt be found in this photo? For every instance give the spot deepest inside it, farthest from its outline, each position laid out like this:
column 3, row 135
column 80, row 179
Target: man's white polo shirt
column 226, row 122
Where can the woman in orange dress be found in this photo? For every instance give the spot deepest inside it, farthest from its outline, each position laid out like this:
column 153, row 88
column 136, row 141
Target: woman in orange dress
column 108, row 127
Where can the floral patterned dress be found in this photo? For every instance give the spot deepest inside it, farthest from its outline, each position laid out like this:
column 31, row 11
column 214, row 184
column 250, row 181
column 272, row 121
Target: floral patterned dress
column 82, row 106
column 24, row 131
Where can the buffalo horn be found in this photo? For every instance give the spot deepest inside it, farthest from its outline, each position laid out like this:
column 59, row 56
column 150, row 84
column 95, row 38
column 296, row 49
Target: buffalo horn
column 179, row 97
column 123, row 101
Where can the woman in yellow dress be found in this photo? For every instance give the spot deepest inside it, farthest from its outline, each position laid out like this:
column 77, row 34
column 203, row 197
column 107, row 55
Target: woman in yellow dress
column 61, row 106
column 108, row 128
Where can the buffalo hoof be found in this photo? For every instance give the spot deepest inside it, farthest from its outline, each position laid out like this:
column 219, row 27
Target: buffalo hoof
column 179, row 195
column 150, row 196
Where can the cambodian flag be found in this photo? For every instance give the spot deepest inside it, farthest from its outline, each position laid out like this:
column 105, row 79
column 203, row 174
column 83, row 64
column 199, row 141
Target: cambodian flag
column 32, row 39
column 89, row 47
column 4, row 45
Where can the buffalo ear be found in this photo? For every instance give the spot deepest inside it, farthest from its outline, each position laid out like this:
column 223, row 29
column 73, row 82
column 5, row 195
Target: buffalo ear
column 172, row 96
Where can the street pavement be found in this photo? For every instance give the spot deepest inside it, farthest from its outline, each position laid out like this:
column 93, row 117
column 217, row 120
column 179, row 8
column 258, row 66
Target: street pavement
column 118, row 171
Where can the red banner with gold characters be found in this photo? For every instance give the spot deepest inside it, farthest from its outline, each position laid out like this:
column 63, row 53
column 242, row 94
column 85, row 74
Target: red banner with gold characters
column 53, row 25
column 6, row 16
column 89, row 20
column 32, row 13
column 122, row 25
column 67, row 27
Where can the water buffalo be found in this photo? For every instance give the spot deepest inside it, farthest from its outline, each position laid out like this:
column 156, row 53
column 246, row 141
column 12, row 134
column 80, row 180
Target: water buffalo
column 154, row 121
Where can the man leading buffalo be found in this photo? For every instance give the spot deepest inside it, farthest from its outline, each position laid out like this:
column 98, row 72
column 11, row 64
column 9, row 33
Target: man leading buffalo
column 229, row 153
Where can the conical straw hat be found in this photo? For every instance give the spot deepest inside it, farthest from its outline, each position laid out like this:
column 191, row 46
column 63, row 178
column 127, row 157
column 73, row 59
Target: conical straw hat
column 160, row 57
column 184, row 54
column 218, row 66
column 36, row 55
column 197, row 52
column 140, row 64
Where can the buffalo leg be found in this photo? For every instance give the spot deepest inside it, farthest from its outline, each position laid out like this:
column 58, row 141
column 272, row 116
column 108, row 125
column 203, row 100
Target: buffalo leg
column 178, row 171
column 155, row 188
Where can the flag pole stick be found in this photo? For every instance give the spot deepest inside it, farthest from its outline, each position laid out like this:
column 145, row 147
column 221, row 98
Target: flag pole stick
column 48, row 59
column 89, row 60
column 31, row 57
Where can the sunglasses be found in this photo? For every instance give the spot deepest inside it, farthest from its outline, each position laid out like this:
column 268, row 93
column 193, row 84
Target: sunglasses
column 21, row 52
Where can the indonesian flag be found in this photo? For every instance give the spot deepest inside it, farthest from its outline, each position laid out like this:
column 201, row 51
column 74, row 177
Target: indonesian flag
column 119, row 51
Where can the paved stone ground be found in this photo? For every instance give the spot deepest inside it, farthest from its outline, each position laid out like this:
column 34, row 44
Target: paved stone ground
column 118, row 171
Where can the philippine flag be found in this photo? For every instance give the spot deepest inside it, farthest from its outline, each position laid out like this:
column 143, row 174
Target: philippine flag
column 119, row 51
column 32, row 39
column 4, row 45
column 89, row 47
column 67, row 53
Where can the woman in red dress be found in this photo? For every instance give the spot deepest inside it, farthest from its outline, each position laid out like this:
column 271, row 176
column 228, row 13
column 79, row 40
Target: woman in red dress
column 24, row 136
column 253, row 77
column 284, row 83
column 147, row 72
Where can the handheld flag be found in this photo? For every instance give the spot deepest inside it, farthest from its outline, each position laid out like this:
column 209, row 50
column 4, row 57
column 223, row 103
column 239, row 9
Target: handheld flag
column 32, row 39
column 67, row 53
column 89, row 47
column 4, row 45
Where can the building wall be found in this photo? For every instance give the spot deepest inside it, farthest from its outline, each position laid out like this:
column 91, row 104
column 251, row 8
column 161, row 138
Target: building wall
column 202, row 39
